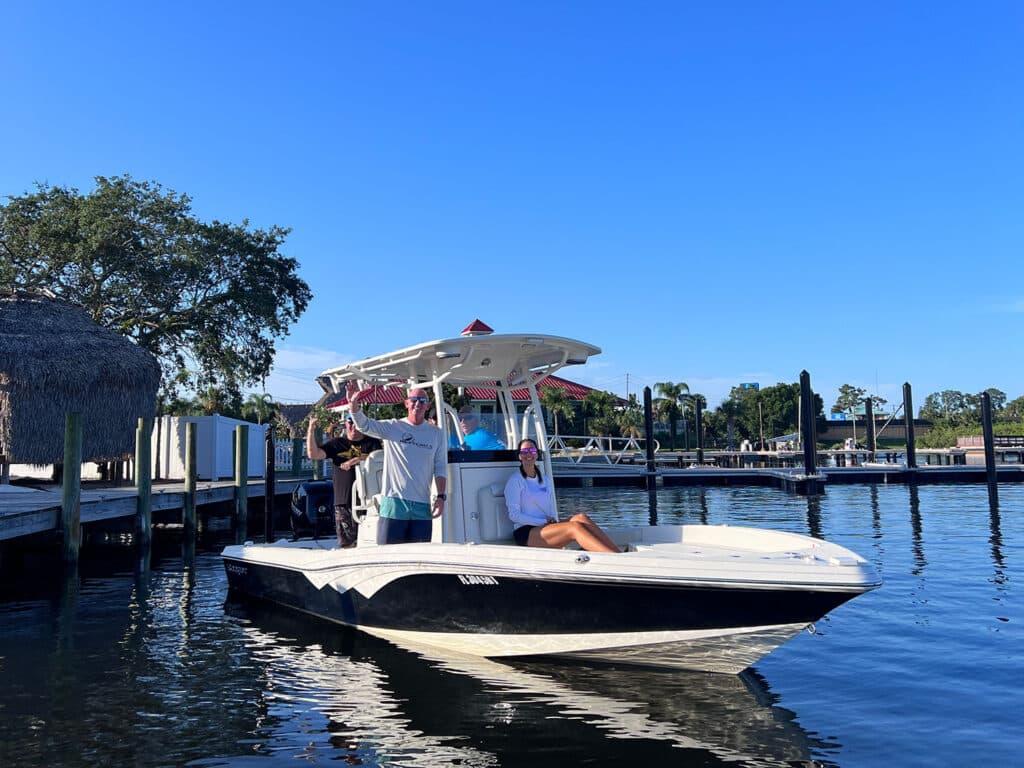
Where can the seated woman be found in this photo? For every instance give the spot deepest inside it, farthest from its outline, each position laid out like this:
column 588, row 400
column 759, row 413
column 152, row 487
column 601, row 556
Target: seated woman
column 531, row 510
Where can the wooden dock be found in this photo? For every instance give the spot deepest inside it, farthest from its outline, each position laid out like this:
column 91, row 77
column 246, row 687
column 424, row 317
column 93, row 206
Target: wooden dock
column 25, row 511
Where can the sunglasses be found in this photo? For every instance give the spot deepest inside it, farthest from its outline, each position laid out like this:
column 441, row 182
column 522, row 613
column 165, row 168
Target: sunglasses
column 467, row 416
column 423, row 400
column 527, row 451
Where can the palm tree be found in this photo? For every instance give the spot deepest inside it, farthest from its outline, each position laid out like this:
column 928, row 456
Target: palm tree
column 600, row 407
column 669, row 407
column 730, row 409
column 557, row 402
column 262, row 407
column 211, row 400
column 631, row 419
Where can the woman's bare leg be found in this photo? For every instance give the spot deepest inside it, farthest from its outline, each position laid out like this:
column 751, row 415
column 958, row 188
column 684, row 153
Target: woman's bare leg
column 557, row 535
column 596, row 531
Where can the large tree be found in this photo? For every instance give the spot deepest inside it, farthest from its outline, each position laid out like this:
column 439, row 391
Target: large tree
column 949, row 405
column 207, row 298
column 849, row 398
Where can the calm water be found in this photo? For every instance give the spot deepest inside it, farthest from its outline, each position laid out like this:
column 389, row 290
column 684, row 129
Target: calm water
column 153, row 667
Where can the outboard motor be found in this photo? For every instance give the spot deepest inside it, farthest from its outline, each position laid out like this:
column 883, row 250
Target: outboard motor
column 313, row 509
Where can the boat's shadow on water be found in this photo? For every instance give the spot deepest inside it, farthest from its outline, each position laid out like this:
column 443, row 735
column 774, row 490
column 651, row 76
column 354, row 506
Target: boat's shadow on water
column 397, row 706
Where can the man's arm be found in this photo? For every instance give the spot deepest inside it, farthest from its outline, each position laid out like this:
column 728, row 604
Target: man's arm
column 440, row 502
column 440, row 475
column 380, row 429
column 313, row 450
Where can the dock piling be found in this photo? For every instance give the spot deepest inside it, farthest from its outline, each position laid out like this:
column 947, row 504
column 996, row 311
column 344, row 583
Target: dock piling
column 652, row 476
column 144, row 482
column 71, row 499
column 242, row 479
column 188, row 502
column 807, row 436
column 268, row 485
column 699, row 422
column 908, row 420
column 990, row 450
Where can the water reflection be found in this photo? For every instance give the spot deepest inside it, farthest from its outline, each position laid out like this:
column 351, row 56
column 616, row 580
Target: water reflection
column 419, row 708
column 996, row 542
column 916, row 537
column 703, row 506
column 814, row 516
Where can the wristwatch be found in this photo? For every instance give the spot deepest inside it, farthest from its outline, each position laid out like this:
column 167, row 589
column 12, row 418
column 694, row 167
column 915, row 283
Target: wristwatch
column 442, row 496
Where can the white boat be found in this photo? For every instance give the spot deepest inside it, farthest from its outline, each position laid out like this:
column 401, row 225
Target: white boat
column 710, row 598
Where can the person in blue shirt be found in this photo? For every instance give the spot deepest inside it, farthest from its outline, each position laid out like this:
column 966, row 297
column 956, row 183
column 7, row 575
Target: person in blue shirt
column 476, row 437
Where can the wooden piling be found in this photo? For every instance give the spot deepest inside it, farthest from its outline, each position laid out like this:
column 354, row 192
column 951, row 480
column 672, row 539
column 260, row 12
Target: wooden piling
column 71, row 500
column 242, row 478
column 188, row 503
column 269, row 478
column 652, row 476
column 807, row 436
column 699, row 421
column 908, row 421
column 144, row 481
column 990, row 450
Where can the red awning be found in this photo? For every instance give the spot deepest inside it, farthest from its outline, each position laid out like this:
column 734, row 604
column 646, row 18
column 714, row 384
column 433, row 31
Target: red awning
column 375, row 395
column 572, row 389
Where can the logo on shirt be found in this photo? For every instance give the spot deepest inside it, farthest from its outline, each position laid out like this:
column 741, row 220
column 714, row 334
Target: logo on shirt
column 408, row 439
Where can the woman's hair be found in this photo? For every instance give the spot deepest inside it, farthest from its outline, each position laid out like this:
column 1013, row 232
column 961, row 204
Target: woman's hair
column 540, row 477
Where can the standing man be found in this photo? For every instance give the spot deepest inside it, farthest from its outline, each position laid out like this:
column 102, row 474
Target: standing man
column 414, row 454
column 344, row 453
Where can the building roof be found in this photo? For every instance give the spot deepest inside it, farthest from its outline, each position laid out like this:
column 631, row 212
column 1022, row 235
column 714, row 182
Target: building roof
column 375, row 395
column 55, row 360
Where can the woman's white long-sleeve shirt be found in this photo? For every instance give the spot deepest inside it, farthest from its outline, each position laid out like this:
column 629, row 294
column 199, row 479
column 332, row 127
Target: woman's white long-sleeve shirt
column 529, row 501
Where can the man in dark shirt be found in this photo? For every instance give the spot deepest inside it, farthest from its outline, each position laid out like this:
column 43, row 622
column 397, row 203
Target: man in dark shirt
column 344, row 453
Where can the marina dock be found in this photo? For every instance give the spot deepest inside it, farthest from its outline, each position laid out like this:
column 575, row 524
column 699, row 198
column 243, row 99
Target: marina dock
column 25, row 511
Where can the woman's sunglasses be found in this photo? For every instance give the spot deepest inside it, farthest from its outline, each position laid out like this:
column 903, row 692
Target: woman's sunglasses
column 527, row 451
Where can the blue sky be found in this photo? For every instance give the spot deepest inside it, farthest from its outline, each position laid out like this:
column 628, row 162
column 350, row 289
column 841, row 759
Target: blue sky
column 713, row 193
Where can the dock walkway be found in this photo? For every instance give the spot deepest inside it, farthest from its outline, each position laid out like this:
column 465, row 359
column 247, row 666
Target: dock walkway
column 25, row 510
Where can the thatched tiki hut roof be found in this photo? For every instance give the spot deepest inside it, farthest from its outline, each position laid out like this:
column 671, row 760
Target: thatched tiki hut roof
column 55, row 360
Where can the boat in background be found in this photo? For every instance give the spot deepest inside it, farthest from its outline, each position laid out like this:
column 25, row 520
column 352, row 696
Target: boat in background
column 707, row 598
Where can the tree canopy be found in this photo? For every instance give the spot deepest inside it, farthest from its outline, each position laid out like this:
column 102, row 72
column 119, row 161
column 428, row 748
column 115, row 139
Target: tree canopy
column 207, row 298
column 746, row 411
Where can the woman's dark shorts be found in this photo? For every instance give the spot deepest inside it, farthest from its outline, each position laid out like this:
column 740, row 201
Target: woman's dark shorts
column 522, row 533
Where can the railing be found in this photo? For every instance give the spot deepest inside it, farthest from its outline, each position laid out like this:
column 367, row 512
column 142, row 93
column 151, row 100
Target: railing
column 284, row 453
column 998, row 441
column 588, row 447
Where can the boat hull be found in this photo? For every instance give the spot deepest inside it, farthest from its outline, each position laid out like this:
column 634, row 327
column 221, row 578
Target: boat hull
column 487, row 612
